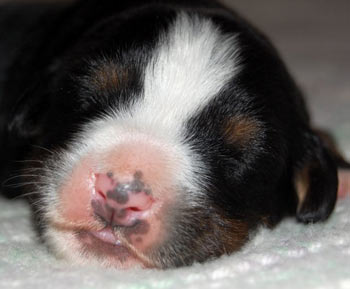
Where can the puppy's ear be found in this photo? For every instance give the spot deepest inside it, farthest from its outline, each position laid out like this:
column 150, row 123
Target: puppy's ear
column 316, row 182
column 331, row 144
column 27, row 118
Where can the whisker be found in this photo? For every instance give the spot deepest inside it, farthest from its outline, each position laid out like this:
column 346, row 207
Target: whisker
column 17, row 177
column 37, row 203
column 29, row 161
column 147, row 261
column 33, row 169
column 19, row 185
column 23, row 196
column 38, row 208
column 44, row 149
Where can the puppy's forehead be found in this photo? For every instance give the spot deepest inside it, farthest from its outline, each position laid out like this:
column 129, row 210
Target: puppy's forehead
column 191, row 63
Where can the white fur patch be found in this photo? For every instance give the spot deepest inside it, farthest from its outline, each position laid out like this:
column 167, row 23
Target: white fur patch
column 193, row 62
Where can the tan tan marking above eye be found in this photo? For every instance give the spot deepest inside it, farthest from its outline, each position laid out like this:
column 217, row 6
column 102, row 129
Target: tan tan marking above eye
column 107, row 76
column 240, row 130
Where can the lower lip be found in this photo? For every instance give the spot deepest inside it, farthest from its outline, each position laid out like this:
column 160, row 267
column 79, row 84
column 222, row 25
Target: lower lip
column 106, row 235
column 102, row 244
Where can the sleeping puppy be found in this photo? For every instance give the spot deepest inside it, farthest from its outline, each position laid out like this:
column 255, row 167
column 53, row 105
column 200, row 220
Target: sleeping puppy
column 156, row 133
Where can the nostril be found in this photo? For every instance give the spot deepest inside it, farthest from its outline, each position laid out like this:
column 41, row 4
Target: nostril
column 103, row 184
column 101, row 194
column 135, row 209
column 121, row 203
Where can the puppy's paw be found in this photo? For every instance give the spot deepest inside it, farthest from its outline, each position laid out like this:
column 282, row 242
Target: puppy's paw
column 344, row 183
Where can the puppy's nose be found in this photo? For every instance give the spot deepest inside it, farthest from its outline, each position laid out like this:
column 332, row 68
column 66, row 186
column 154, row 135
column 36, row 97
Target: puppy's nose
column 121, row 203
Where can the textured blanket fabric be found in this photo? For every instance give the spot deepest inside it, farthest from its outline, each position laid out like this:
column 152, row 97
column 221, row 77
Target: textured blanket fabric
column 291, row 256
column 316, row 45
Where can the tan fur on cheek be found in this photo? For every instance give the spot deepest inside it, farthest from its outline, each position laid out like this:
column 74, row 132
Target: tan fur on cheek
column 237, row 236
column 231, row 233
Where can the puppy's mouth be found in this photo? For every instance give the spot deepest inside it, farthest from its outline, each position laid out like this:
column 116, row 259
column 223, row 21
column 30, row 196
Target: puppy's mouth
column 110, row 244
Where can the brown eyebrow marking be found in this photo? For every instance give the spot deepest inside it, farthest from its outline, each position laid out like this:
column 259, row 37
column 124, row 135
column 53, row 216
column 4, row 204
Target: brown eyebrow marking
column 240, row 130
column 107, row 76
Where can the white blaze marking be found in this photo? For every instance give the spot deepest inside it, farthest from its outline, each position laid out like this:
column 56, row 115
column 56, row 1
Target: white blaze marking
column 192, row 63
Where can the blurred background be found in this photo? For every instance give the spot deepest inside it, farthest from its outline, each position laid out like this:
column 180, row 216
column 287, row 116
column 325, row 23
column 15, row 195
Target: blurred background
column 313, row 38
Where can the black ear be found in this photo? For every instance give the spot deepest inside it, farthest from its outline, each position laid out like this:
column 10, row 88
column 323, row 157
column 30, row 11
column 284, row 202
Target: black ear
column 26, row 120
column 316, row 182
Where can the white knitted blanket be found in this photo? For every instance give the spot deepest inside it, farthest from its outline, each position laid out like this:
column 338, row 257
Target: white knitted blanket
column 290, row 256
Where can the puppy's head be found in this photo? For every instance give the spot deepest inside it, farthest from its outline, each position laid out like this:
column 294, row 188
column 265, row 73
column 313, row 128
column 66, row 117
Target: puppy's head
column 170, row 147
